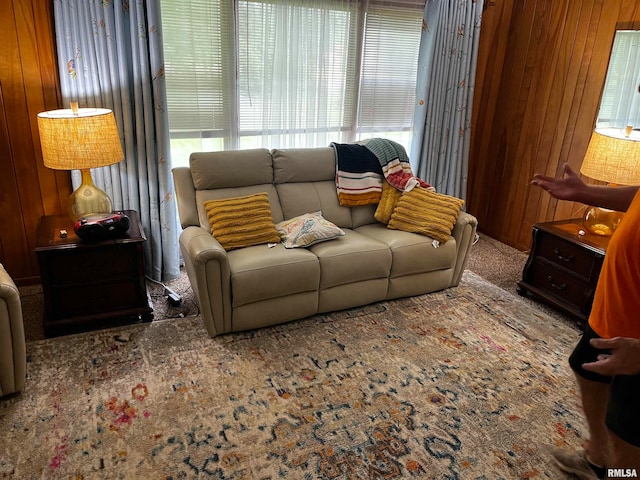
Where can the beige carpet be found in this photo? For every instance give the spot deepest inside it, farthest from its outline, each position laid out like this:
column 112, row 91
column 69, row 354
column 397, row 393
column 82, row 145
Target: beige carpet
column 467, row 383
column 502, row 265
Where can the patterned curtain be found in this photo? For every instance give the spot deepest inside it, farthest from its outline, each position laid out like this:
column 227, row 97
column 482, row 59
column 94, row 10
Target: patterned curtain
column 110, row 56
column 444, row 94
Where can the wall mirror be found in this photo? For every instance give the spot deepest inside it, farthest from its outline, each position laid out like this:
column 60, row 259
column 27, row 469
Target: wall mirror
column 620, row 102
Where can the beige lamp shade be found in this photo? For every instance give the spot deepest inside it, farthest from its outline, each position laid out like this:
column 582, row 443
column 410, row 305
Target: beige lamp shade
column 82, row 140
column 613, row 157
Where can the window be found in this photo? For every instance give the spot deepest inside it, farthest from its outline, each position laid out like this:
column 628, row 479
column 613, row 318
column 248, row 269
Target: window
column 287, row 73
column 620, row 103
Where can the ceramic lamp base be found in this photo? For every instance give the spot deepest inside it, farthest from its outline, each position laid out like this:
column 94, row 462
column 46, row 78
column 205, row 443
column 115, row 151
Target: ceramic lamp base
column 602, row 221
column 88, row 199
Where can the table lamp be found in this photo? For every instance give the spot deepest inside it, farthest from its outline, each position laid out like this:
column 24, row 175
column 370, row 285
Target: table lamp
column 613, row 156
column 81, row 139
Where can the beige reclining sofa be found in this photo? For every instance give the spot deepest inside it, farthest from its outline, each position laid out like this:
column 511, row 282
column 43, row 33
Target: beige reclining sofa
column 264, row 285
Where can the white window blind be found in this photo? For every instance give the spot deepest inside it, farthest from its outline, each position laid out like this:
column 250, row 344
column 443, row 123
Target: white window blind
column 389, row 65
column 288, row 73
column 199, row 66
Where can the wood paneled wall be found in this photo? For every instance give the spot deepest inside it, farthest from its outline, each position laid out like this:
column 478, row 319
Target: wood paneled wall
column 540, row 74
column 541, row 70
column 28, row 85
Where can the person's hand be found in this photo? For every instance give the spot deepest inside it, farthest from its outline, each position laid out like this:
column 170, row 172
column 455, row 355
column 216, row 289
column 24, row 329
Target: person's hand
column 568, row 187
column 624, row 358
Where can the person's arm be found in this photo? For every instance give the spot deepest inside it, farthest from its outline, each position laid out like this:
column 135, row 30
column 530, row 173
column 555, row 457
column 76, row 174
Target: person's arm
column 624, row 358
column 571, row 187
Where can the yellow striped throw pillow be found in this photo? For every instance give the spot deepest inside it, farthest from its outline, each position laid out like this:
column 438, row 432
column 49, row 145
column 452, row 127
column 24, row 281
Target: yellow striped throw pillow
column 242, row 221
column 427, row 213
column 388, row 200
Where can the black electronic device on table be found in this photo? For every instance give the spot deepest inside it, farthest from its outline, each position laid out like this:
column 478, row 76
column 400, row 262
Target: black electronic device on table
column 102, row 226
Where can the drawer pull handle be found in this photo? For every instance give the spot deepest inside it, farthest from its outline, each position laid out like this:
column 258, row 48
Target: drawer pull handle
column 562, row 257
column 562, row 286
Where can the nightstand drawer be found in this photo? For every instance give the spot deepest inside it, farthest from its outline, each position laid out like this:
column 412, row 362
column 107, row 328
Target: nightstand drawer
column 578, row 260
column 96, row 299
column 567, row 288
column 78, row 267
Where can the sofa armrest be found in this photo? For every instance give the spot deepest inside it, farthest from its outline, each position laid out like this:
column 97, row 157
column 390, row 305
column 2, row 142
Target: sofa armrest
column 464, row 232
column 207, row 266
column 13, row 357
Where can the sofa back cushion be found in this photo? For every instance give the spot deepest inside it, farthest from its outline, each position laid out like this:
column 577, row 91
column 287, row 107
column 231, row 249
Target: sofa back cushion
column 303, row 165
column 306, row 182
column 363, row 215
column 235, row 173
column 236, row 168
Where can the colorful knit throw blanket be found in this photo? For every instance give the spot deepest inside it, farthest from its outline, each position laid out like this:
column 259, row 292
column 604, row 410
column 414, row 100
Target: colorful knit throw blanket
column 361, row 169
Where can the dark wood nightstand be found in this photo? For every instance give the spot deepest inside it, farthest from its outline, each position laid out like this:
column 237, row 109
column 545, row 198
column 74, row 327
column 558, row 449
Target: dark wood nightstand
column 564, row 265
column 89, row 285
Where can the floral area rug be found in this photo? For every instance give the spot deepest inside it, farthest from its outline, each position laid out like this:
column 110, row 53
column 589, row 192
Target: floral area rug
column 467, row 383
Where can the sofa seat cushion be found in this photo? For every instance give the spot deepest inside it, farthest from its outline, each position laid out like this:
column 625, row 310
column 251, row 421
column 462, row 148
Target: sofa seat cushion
column 352, row 258
column 412, row 253
column 261, row 273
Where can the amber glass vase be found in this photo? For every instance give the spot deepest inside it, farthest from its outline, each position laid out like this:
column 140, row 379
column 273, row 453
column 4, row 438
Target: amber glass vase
column 602, row 221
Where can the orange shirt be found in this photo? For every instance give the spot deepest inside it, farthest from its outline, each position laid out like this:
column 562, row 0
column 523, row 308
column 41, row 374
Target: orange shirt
column 616, row 306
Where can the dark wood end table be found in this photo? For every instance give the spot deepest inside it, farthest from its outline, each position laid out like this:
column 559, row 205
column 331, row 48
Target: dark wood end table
column 564, row 265
column 88, row 285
